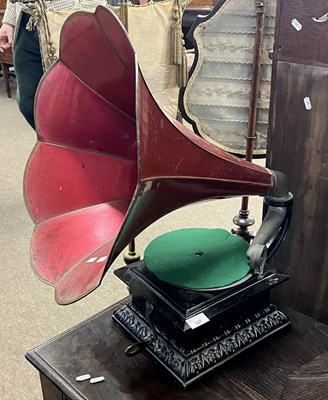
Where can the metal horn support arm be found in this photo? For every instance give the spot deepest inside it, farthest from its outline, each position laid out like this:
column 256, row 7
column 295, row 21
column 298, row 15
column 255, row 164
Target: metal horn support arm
column 275, row 224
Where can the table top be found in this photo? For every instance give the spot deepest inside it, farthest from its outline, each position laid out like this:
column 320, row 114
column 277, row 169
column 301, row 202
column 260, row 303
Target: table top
column 96, row 346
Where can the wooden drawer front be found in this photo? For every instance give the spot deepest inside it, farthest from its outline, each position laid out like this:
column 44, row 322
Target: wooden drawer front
column 309, row 44
column 298, row 147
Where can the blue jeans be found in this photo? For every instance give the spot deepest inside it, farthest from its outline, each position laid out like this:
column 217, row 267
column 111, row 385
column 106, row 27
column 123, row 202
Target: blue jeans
column 28, row 68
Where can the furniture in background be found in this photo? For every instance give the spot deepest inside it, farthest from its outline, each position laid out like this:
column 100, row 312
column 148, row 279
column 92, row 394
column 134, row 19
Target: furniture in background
column 6, row 58
column 298, row 146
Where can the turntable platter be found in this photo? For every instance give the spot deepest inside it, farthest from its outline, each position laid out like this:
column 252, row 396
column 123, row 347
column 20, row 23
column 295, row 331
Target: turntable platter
column 198, row 258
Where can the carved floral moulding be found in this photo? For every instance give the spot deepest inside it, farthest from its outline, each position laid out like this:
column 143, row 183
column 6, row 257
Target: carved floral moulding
column 188, row 365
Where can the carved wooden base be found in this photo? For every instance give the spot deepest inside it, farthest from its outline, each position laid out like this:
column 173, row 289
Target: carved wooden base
column 188, row 365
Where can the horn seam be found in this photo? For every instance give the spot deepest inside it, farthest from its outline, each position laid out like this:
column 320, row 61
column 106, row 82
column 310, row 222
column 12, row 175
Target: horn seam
column 64, row 146
column 116, row 201
column 205, row 178
column 94, row 91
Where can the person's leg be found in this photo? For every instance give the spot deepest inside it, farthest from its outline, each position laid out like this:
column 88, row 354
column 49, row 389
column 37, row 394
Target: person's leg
column 28, row 68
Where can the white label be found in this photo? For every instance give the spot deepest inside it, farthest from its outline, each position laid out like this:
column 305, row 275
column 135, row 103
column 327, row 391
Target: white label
column 82, row 378
column 307, row 103
column 101, row 259
column 197, row 321
column 98, row 379
column 296, row 24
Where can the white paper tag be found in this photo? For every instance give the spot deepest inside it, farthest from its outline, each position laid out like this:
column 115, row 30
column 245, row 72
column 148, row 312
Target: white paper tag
column 296, row 24
column 307, row 103
column 323, row 18
column 197, row 321
column 82, row 378
column 98, row 379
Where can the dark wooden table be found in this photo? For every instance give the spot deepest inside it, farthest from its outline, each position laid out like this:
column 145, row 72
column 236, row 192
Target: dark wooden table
column 290, row 365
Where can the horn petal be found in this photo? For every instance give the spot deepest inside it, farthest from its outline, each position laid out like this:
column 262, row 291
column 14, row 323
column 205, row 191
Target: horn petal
column 109, row 162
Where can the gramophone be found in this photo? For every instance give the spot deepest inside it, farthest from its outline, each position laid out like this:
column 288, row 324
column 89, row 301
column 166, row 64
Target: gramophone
column 108, row 163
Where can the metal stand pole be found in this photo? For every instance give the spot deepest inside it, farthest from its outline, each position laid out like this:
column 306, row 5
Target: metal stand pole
column 243, row 220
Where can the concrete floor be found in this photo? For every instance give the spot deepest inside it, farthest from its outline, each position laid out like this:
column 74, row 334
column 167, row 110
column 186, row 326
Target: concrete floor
column 29, row 315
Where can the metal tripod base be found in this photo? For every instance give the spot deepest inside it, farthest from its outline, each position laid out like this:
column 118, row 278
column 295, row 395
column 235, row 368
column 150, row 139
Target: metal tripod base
column 189, row 365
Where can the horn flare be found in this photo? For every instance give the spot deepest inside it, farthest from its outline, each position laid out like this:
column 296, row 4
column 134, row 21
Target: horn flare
column 108, row 161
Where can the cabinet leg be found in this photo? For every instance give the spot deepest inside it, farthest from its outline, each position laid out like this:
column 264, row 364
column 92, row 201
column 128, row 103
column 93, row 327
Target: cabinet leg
column 50, row 391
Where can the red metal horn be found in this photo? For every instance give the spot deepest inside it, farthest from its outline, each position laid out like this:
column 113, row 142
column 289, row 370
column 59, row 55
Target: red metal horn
column 108, row 161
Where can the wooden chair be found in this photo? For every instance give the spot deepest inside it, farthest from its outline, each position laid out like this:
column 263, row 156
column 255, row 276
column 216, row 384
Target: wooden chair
column 5, row 70
column 6, row 58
